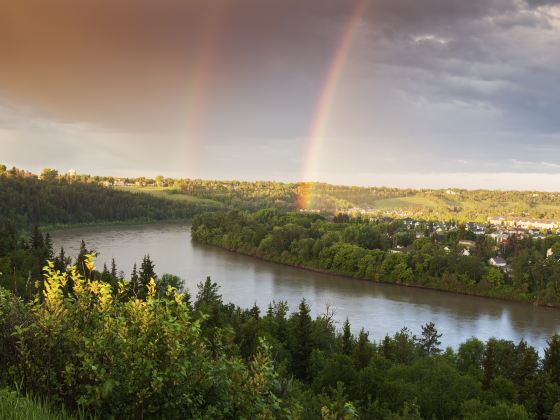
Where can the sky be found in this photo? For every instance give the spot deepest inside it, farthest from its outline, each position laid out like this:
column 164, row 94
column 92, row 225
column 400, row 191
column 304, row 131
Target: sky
column 424, row 93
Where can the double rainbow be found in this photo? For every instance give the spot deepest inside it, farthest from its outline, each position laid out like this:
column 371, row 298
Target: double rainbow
column 324, row 104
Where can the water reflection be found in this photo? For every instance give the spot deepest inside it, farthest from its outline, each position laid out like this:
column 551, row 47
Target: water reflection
column 379, row 308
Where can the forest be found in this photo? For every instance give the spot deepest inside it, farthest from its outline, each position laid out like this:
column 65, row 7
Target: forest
column 386, row 250
column 89, row 344
column 26, row 201
column 80, row 341
column 59, row 199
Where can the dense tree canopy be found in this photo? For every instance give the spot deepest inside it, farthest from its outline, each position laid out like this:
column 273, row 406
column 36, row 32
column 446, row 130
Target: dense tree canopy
column 96, row 347
column 26, row 201
column 388, row 251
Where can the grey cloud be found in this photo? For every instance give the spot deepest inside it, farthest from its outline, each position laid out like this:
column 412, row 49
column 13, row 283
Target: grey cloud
column 436, row 78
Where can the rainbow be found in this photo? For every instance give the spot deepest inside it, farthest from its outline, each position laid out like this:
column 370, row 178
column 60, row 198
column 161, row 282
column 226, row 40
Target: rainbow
column 201, row 73
column 324, row 104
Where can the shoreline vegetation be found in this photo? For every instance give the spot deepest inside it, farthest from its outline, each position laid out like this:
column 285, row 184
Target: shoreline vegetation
column 454, row 204
column 89, row 344
column 362, row 250
column 390, row 283
column 132, row 222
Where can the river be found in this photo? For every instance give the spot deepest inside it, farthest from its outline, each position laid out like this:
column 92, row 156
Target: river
column 379, row 308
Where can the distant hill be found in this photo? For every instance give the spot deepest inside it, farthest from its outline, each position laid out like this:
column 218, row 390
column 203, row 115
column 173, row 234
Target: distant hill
column 74, row 198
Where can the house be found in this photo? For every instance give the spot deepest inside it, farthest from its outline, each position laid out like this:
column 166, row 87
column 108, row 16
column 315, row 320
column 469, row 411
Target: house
column 499, row 237
column 408, row 221
column 467, row 243
column 524, row 223
column 549, row 253
column 465, row 252
column 498, row 262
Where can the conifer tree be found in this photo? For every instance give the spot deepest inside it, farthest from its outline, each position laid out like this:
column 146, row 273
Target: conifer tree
column 134, row 280
column 147, row 271
column 429, row 341
column 36, row 241
column 49, row 254
column 113, row 268
column 551, row 363
column 347, row 339
column 489, row 363
column 363, row 350
column 302, row 345
column 60, row 261
column 81, row 259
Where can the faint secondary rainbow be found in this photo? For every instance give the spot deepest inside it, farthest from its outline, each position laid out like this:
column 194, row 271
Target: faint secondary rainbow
column 201, row 72
column 324, row 104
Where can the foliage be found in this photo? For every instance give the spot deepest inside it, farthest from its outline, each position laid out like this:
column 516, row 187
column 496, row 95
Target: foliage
column 102, row 351
column 17, row 407
column 26, row 201
column 370, row 250
column 95, row 350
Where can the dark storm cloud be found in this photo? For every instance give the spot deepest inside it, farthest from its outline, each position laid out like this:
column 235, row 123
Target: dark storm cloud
column 448, row 80
column 543, row 2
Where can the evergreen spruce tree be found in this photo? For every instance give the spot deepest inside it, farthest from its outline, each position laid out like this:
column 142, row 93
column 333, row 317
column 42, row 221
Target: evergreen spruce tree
column 489, row 363
column 113, row 268
column 105, row 275
column 363, row 350
column 302, row 345
column 49, row 254
column 255, row 311
column 81, row 259
column 347, row 339
column 134, row 281
column 60, row 261
column 146, row 273
column 551, row 362
column 429, row 341
column 36, row 241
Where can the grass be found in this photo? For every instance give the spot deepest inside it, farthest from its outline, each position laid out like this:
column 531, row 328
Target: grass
column 415, row 202
column 17, row 407
column 171, row 194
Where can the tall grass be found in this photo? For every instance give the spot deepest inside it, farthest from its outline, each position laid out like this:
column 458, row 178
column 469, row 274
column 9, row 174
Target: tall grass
column 14, row 406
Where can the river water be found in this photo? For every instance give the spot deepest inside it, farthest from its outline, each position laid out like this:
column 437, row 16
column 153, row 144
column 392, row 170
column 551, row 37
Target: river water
column 379, row 308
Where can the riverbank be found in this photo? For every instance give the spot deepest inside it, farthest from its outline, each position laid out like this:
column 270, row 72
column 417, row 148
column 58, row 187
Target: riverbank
column 505, row 295
column 132, row 222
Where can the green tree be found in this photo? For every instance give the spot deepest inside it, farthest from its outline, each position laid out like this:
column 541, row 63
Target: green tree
column 551, row 362
column 134, row 281
column 347, row 339
column 302, row 344
column 37, row 241
column 49, row 174
column 145, row 274
column 113, row 268
column 429, row 340
column 489, row 363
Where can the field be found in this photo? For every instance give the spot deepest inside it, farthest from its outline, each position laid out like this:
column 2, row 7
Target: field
column 460, row 205
column 413, row 202
column 171, row 194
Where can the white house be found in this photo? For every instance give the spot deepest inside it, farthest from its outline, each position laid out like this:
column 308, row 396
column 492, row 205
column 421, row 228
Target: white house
column 498, row 262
